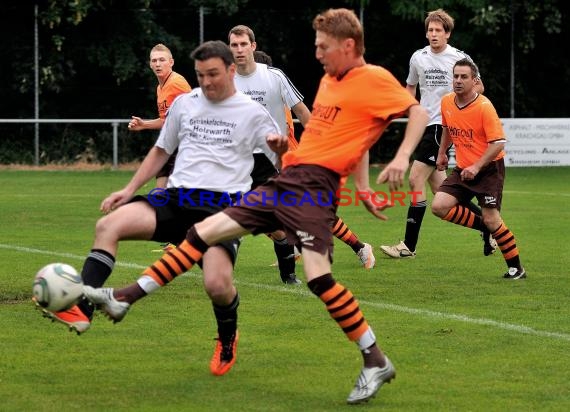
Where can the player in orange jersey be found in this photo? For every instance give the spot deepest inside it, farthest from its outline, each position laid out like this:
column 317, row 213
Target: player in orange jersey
column 339, row 228
column 472, row 124
column 348, row 117
column 170, row 85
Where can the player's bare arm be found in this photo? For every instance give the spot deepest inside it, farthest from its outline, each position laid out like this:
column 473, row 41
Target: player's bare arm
column 136, row 124
column 491, row 153
column 302, row 113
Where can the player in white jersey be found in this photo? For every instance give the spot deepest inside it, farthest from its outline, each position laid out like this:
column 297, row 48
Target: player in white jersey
column 271, row 88
column 431, row 68
column 216, row 129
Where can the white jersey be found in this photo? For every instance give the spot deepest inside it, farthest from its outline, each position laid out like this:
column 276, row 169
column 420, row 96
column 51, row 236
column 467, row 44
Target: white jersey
column 273, row 89
column 215, row 141
column 434, row 73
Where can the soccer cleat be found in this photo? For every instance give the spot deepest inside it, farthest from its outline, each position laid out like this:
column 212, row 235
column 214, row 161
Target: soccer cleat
column 398, row 251
column 515, row 274
column 489, row 243
column 73, row 318
column 370, row 381
column 224, row 356
column 105, row 301
column 291, row 279
column 366, row 256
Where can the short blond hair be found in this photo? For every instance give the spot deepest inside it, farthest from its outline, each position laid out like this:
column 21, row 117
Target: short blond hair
column 161, row 47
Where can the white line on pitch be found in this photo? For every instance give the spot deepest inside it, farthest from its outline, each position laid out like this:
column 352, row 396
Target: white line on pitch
column 298, row 291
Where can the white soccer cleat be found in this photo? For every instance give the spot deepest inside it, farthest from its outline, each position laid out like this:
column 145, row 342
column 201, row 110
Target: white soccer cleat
column 366, row 256
column 103, row 298
column 370, row 381
column 398, row 251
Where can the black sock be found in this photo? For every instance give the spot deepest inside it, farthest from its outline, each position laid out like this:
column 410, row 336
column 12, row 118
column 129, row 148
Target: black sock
column 226, row 317
column 285, row 257
column 96, row 270
column 416, row 214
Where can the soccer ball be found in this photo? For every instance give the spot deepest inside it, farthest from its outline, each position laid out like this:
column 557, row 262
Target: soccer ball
column 57, row 287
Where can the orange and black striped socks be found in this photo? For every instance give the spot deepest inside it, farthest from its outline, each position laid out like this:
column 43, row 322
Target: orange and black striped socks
column 506, row 241
column 178, row 260
column 342, row 306
column 341, row 231
column 460, row 215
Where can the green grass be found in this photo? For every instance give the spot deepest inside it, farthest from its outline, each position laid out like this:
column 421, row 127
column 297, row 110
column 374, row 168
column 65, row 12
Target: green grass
column 461, row 338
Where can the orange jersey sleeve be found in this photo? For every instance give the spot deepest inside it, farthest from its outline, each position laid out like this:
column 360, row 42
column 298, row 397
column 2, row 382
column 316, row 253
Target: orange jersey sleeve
column 471, row 128
column 348, row 116
column 293, row 143
column 175, row 84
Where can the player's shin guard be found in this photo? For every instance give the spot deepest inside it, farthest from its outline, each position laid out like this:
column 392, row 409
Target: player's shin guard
column 177, row 261
column 342, row 306
column 460, row 215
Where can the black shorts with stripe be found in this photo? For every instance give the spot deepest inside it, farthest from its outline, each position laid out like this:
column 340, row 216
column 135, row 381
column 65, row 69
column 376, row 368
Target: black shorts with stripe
column 178, row 209
column 428, row 147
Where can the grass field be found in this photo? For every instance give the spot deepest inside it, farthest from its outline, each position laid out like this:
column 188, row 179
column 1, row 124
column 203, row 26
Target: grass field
column 461, row 338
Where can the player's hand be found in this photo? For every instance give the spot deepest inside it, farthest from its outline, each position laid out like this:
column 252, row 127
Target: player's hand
column 394, row 173
column 114, row 200
column 373, row 203
column 469, row 173
column 442, row 162
column 136, row 124
column 279, row 144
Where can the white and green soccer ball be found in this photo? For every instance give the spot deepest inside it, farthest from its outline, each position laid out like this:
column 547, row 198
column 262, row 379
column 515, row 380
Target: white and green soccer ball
column 57, row 287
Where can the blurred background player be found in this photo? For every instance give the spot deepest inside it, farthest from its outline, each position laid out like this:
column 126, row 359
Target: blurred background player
column 170, row 85
column 431, row 68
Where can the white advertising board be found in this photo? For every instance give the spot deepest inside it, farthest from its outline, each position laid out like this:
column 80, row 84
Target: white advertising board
column 537, row 142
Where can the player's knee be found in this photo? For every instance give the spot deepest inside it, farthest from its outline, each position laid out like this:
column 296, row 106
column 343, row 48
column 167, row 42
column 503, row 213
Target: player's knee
column 439, row 209
column 219, row 287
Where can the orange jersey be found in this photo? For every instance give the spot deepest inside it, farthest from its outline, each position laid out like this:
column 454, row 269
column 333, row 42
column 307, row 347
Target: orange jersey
column 471, row 128
column 175, row 84
column 348, row 117
column 293, row 143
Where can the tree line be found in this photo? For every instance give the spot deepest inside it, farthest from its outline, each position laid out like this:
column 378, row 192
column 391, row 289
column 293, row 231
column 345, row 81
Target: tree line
column 93, row 54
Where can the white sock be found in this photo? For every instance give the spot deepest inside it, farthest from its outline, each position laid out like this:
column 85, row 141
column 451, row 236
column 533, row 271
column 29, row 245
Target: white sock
column 148, row 284
column 367, row 339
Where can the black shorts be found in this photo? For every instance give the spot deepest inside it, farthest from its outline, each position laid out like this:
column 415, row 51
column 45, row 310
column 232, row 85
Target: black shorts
column 168, row 166
column 263, row 170
column 301, row 200
column 428, row 147
column 175, row 214
column 487, row 186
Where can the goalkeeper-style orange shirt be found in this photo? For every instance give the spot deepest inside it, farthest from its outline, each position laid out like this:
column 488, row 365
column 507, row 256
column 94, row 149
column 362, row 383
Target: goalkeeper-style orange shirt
column 175, row 84
column 348, row 117
column 471, row 128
